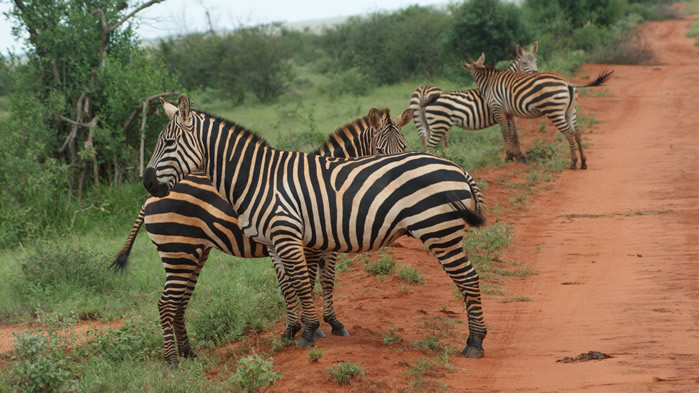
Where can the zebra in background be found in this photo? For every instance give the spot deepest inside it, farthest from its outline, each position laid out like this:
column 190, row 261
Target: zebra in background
column 193, row 219
column 511, row 94
column 436, row 111
column 290, row 201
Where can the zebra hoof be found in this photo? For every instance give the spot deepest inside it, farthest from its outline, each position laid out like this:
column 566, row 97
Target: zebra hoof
column 338, row 329
column 523, row 159
column 319, row 334
column 583, row 166
column 473, row 348
column 472, row 352
column 173, row 363
column 189, row 354
column 303, row 343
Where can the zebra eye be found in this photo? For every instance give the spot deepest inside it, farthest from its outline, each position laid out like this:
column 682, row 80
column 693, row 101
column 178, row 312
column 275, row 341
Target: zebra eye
column 169, row 142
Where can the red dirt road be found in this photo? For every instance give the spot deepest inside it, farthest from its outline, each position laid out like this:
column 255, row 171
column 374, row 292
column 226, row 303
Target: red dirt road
column 616, row 248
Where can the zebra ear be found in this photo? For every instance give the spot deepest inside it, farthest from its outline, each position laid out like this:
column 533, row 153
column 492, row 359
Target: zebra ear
column 374, row 118
column 185, row 114
column 170, row 110
column 535, row 47
column 481, row 59
column 519, row 50
column 466, row 66
column 405, row 118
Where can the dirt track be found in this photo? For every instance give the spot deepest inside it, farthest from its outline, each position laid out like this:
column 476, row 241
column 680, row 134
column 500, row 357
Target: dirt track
column 615, row 248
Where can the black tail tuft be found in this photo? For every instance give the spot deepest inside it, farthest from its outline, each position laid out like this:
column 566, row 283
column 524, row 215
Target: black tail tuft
column 120, row 262
column 601, row 78
column 472, row 218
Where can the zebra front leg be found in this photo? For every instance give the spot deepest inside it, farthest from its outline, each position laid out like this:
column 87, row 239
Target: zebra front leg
column 290, row 251
column 327, row 281
column 184, row 348
column 293, row 324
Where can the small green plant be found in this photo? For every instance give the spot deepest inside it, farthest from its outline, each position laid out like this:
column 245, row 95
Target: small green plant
column 430, row 344
column 439, row 327
column 410, row 275
column 254, row 374
column 315, row 354
column 485, row 245
column 345, row 372
column 516, row 299
column 382, row 266
column 391, row 337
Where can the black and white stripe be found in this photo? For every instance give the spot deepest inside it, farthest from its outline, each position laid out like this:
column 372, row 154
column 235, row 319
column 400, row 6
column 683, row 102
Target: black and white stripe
column 550, row 94
column 193, row 219
column 290, row 201
column 435, row 112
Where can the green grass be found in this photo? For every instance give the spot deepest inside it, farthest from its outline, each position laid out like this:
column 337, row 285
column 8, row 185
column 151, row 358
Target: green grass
column 345, row 372
column 410, row 275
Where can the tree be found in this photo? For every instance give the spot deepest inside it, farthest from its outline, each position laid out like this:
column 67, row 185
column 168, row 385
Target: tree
column 489, row 26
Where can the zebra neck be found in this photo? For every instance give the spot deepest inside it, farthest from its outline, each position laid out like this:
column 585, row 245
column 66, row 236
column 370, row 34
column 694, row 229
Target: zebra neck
column 235, row 160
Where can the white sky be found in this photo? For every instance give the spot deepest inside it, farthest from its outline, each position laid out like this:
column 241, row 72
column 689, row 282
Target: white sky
column 173, row 17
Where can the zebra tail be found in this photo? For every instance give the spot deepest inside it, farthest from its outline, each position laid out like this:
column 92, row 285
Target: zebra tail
column 423, row 119
column 480, row 207
column 122, row 258
column 601, row 78
column 471, row 217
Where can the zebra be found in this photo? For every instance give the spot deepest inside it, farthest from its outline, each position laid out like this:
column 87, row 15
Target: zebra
column 512, row 94
column 291, row 200
column 193, row 219
column 436, row 111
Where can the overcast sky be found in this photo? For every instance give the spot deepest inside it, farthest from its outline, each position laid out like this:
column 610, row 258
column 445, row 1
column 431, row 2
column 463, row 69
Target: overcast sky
column 173, row 17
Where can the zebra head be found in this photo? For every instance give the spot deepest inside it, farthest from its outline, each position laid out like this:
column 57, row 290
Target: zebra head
column 388, row 136
column 526, row 59
column 479, row 71
column 176, row 152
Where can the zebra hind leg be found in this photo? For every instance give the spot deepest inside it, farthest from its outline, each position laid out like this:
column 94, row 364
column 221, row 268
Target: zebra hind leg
column 327, row 281
column 184, row 348
column 455, row 263
column 516, row 150
column 313, row 262
column 564, row 127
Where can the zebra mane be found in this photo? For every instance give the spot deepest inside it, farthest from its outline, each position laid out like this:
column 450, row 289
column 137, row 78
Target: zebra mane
column 237, row 127
column 341, row 130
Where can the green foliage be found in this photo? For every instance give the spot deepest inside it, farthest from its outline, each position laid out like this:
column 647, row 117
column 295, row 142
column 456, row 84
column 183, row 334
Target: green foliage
column 315, row 354
column 135, row 340
column 254, row 60
column 548, row 155
column 577, row 12
column 491, row 26
column 391, row 337
column 411, row 275
column 388, row 47
column 254, row 374
column 382, row 266
column 430, row 344
column 485, row 244
column 247, row 300
column 345, row 372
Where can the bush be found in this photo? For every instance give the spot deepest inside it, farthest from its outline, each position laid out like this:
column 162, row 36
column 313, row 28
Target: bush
column 381, row 267
column 490, row 26
column 411, row 275
column 254, row 373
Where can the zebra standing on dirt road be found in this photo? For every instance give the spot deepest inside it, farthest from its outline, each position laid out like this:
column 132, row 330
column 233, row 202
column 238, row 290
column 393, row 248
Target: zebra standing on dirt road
column 193, row 219
column 290, row 201
column 550, row 94
column 435, row 111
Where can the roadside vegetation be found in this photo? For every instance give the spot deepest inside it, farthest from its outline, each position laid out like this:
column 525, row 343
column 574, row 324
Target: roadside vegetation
column 69, row 169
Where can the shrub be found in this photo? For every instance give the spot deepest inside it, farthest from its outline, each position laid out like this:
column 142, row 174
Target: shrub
column 410, row 275
column 315, row 354
column 254, row 373
column 381, row 267
column 345, row 372
column 490, row 26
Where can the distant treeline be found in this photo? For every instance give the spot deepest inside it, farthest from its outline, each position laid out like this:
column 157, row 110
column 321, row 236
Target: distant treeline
column 74, row 110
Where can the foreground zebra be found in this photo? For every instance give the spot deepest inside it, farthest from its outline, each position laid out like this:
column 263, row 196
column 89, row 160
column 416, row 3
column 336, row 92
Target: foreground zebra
column 512, row 94
column 435, row 111
column 290, row 201
column 193, row 219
